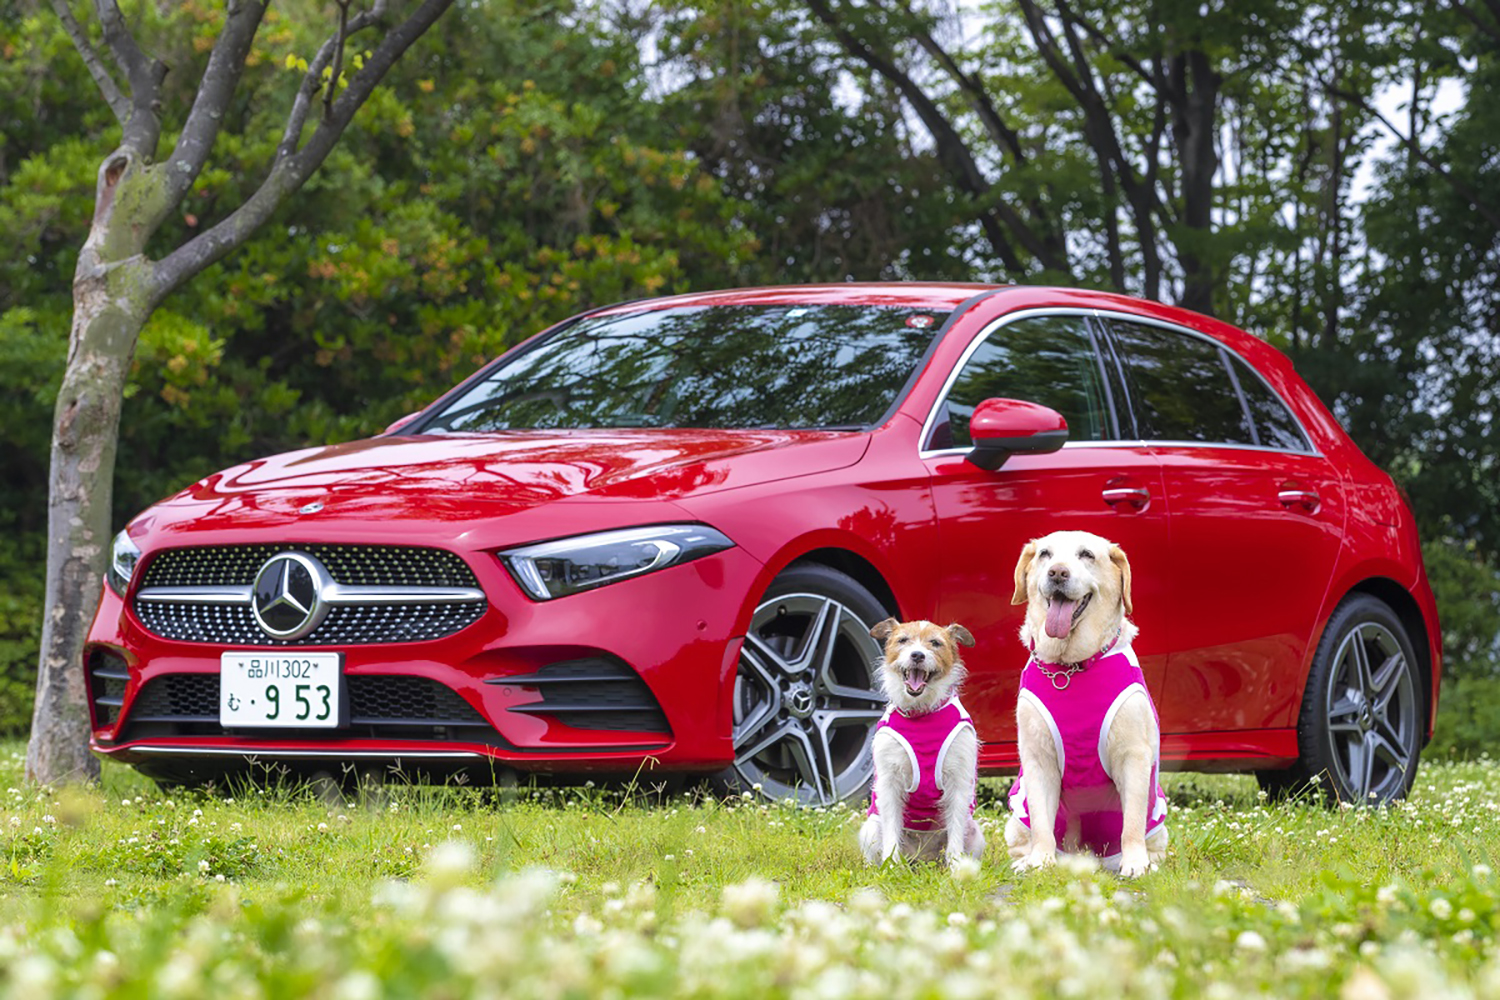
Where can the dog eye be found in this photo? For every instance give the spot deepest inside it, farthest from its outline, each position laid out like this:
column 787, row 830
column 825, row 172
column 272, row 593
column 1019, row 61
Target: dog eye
column 903, row 640
column 1085, row 554
column 1044, row 554
column 937, row 643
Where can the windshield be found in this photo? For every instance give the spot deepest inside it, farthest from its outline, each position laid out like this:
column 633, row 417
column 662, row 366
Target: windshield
column 814, row 366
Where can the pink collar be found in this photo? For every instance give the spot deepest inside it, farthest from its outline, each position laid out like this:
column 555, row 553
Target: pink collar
column 1074, row 668
column 931, row 711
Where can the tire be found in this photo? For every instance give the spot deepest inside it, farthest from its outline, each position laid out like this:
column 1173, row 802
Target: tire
column 806, row 692
column 1360, row 728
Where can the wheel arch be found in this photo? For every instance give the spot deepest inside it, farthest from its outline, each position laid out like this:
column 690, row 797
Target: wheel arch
column 856, row 567
column 1406, row 608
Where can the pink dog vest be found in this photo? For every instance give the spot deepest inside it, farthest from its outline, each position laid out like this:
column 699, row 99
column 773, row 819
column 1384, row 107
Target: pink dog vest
column 1079, row 716
column 926, row 739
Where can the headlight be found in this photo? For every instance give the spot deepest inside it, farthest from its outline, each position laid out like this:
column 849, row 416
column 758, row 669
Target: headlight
column 556, row 569
column 122, row 559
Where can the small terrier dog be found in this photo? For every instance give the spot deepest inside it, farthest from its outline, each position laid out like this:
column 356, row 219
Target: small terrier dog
column 925, row 749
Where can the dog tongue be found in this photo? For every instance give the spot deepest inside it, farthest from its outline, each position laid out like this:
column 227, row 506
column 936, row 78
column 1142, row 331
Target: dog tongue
column 1060, row 617
column 916, row 682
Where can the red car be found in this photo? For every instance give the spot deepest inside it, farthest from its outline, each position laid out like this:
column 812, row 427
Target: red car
column 658, row 534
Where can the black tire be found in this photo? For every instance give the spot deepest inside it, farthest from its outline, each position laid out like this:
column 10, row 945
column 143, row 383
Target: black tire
column 806, row 694
column 1361, row 725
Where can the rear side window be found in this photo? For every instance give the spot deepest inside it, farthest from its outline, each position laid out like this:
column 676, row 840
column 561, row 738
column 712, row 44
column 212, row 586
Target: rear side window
column 1041, row 359
column 1275, row 427
column 1181, row 386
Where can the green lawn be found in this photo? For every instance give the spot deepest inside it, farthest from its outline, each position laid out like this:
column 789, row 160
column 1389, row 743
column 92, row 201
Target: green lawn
column 122, row 890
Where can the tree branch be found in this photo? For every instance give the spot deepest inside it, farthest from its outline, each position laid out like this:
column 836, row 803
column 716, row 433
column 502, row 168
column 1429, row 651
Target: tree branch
column 1492, row 29
column 953, row 152
column 220, row 78
column 291, row 170
column 144, row 76
column 117, row 101
column 1490, row 213
column 291, row 136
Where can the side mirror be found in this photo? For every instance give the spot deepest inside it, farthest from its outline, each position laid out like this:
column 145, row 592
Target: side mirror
column 399, row 423
column 1005, row 427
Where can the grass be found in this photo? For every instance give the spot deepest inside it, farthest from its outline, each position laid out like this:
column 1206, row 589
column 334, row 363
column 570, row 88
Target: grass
column 124, row 890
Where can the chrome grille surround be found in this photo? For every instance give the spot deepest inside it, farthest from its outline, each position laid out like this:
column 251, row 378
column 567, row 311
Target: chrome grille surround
column 378, row 594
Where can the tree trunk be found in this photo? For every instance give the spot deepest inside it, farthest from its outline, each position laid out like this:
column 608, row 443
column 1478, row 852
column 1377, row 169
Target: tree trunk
column 112, row 296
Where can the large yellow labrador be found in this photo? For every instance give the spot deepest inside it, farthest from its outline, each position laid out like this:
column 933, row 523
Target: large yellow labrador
column 1087, row 731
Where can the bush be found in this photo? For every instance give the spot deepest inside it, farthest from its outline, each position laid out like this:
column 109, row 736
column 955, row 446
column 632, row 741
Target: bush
column 1468, row 721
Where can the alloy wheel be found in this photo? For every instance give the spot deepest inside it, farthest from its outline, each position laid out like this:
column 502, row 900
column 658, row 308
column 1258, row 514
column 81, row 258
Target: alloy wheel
column 1371, row 708
column 806, row 700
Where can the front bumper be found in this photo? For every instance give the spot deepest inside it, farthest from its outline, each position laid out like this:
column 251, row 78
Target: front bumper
column 651, row 659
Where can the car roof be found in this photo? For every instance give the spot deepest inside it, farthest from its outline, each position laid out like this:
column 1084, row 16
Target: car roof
column 913, row 294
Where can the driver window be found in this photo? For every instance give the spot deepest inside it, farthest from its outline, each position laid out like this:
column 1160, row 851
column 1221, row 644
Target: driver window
column 1042, row 359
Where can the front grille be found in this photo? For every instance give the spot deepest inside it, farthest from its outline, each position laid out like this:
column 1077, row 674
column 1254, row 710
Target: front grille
column 346, row 625
column 384, row 621
column 108, row 674
column 380, row 707
column 356, row 565
column 594, row 693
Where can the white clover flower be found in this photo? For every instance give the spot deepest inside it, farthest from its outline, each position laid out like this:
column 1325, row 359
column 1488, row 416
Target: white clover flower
column 1369, row 949
column 203, row 866
column 449, row 863
column 867, row 902
column 109, row 882
column 586, row 926
column 750, row 903
column 1386, row 895
column 965, row 868
column 958, row 919
column 1441, row 908
column 1250, row 941
column 1480, row 870
column 357, row 985
column 322, row 827
column 1364, row 985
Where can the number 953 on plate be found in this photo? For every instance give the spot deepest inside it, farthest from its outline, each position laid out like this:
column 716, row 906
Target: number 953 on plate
column 281, row 689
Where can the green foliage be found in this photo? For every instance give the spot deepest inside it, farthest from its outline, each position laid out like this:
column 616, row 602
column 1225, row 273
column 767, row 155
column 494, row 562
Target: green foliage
column 528, row 160
column 1466, row 722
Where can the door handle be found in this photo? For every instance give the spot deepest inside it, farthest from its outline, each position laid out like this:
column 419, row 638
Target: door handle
column 1138, row 497
column 1306, row 500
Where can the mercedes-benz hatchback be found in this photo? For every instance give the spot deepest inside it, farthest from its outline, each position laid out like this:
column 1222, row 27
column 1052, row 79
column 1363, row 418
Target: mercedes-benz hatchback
column 657, row 535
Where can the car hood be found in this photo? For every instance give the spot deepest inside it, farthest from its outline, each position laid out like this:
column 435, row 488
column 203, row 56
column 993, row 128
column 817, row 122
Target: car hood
column 436, row 478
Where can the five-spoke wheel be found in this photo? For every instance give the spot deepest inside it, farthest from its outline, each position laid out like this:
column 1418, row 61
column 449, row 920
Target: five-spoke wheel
column 1361, row 725
column 806, row 698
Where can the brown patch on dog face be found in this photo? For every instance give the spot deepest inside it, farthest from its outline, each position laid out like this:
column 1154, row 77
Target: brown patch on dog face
column 1023, row 569
column 1117, row 556
column 922, row 655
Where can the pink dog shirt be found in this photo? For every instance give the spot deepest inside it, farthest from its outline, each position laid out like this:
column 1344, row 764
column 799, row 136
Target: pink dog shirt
column 926, row 739
column 1079, row 716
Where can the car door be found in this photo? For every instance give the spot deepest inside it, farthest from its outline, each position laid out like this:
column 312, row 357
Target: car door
column 1256, row 519
column 1101, row 481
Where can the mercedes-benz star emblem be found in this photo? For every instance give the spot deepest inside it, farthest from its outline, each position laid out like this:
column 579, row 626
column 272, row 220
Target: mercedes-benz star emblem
column 288, row 598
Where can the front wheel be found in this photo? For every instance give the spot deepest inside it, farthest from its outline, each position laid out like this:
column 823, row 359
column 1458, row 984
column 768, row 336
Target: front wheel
column 1360, row 729
column 806, row 693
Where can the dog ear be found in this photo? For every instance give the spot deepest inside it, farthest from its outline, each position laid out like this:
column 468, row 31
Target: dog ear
column 1117, row 556
column 961, row 635
column 881, row 630
column 1022, row 568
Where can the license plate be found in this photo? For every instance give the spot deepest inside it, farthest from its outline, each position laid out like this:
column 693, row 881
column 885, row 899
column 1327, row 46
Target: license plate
column 284, row 689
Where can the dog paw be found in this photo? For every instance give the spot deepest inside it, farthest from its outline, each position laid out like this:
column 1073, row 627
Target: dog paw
column 1134, row 865
column 1036, row 859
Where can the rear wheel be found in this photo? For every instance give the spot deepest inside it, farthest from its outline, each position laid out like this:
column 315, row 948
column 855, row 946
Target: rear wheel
column 1360, row 729
column 806, row 694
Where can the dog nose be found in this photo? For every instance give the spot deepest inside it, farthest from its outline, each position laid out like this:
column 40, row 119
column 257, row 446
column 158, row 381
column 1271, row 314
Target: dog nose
column 917, row 656
column 1057, row 572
